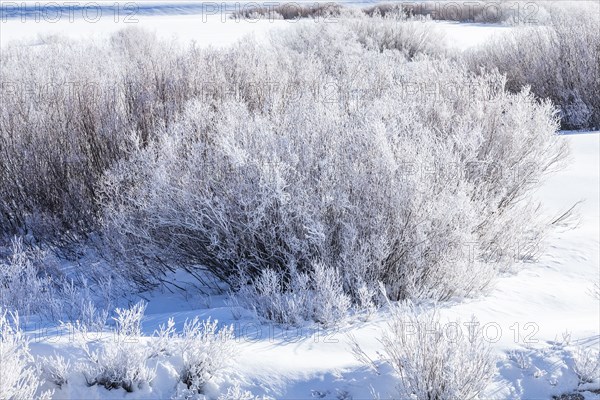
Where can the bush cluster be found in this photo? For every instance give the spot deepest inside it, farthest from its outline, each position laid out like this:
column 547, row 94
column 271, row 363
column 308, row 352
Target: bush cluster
column 70, row 110
column 358, row 149
column 316, row 149
column 559, row 61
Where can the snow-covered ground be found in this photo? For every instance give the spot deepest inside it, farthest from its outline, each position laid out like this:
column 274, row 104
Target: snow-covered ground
column 529, row 316
column 204, row 24
column 207, row 29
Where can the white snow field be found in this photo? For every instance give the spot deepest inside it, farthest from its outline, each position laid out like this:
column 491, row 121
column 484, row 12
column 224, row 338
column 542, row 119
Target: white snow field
column 206, row 29
column 204, row 24
column 535, row 320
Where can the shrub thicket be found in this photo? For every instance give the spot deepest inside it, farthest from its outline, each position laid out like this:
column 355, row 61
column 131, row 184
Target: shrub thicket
column 559, row 61
column 356, row 147
column 319, row 148
column 69, row 111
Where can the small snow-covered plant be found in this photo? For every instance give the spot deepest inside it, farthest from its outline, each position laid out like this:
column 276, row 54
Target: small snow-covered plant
column 586, row 364
column 119, row 362
column 521, row 358
column 92, row 317
column 118, row 365
column 235, row 392
column 205, row 350
column 317, row 295
column 129, row 320
column 566, row 338
column 183, row 393
column 30, row 283
column 329, row 300
column 162, row 340
column 430, row 363
column 18, row 379
column 55, row 369
column 366, row 304
column 270, row 299
column 79, row 303
column 24, row 286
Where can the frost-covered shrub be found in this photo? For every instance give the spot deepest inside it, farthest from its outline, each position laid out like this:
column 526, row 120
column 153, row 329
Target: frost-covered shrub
column 129, row 320
column 269, row 299
column 55, row 369
column 118, row 365
column 206, row 349
column 330, row 301
column 71, row 109
column 472, row 11
column 366, row 300
column 121, row 358
column 317, row 295
column 289, row 11
column 560, row 61
column 89, row 315
column 19, row 380
column 162, row 342
column 235, row 392
column 32, row 284
column 84, row 302
column 120, row 362
column 406, row 170
column 586, row 364
column 431, row 363
column 393, row 32
column 75, row 121
column 25, row 284
column 431, row 366
column 411, row 37
column 510, row 13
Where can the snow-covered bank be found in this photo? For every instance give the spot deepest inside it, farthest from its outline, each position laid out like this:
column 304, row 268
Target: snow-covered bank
column 207, row 30
column 203, row 24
